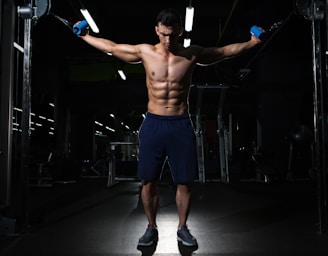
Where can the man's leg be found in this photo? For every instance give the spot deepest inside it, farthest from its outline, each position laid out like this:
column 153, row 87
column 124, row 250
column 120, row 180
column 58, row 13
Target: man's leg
column 182, row 199
column 150, row 201
column 183, row 196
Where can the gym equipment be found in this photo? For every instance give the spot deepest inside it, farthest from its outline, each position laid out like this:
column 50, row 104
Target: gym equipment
column 258, row 32
column 78, row 29
column 265, row 35
column 317, row 11
column 221, row 131
column 112, row 177
column 67, row 23
column 30, row 14
column 81, row 27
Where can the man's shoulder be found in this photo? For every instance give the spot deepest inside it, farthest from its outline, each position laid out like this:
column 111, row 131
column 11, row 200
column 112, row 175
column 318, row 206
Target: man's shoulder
column 195, row 47
column 146, row 46
column 191, row 50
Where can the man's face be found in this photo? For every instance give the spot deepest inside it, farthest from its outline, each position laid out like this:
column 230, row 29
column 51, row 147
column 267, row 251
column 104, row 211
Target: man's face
column 168, row 36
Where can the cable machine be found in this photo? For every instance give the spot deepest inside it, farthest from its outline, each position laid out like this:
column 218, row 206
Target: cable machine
column 29, row 13
column 221, row 131
column 316, row 11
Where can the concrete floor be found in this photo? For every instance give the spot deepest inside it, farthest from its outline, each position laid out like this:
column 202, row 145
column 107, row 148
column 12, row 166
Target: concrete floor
column 244, row 218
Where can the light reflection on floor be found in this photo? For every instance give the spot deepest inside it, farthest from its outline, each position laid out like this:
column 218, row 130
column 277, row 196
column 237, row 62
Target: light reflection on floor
column 247, row 219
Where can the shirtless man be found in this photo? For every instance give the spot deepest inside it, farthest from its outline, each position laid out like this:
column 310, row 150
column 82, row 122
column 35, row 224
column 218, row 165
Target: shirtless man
column 167, row 131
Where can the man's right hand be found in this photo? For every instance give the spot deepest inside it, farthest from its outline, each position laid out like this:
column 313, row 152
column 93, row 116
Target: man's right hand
column 81, row 28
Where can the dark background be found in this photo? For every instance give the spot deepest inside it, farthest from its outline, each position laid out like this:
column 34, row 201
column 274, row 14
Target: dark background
column 265, row 107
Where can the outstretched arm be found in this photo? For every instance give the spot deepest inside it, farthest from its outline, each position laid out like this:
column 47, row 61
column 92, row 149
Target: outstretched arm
column 125, row 52
column 212, row 55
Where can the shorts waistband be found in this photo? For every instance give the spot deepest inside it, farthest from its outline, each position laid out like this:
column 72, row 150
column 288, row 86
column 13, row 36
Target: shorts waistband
column 176, row 117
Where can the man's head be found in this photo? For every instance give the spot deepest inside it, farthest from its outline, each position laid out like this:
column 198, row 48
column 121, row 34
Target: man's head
column 169, row 17
column 169, row 27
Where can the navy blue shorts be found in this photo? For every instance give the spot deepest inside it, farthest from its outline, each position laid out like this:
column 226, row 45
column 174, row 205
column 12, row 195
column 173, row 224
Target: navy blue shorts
column 170, row 138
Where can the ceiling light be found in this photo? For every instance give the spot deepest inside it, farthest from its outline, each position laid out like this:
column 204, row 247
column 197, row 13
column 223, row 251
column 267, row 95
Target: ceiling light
column 189, row 18
column 121, row 73
column 186, row 42
column 90, row 20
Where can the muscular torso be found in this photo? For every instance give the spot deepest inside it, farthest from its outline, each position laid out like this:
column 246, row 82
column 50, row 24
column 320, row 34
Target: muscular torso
column 168, row 80
column 169, row 65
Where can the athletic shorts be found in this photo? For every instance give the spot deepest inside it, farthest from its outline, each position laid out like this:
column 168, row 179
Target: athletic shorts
column 170, row 138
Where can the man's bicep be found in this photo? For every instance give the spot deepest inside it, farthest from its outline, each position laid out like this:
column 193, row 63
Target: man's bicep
column 126, row 52
column 210, row 55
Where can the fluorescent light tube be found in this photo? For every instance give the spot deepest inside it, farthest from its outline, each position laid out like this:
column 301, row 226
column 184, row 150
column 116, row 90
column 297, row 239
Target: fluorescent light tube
column 189, row 18
column 186, row 42
column 90, row 20
column 121, row 73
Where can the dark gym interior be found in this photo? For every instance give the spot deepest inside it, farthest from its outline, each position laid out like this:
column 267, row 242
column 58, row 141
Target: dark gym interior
column 69, row 131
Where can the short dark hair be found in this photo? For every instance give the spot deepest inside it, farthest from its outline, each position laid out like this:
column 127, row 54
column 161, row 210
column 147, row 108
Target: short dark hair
column 169, row 17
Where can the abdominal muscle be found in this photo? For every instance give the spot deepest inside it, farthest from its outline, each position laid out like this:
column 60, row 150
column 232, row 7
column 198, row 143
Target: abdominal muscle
column 168, row 80
column 167, row 99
